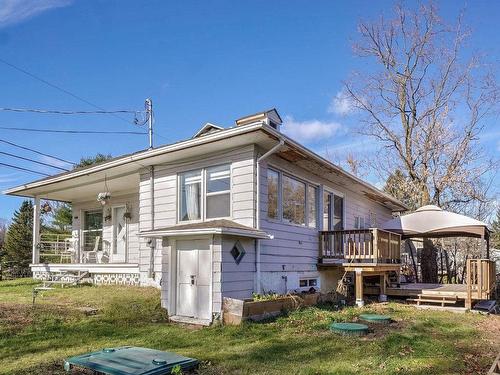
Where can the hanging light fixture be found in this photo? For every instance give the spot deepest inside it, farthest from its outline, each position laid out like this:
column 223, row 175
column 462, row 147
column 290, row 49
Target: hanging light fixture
column 104, row 197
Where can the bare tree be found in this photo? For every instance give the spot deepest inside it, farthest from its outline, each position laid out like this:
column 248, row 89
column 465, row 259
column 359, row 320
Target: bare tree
column 426, row 100
column 426, row 104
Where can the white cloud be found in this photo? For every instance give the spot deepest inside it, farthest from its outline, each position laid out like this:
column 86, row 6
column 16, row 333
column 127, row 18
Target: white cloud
column 310, row 130
column 341, row 104
column 15, row 11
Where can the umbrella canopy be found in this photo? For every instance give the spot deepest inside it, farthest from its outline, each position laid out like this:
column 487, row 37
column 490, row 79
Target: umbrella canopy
column 432, row 221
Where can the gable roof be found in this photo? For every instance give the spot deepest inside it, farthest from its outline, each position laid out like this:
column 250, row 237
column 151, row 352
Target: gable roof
column 57, row 186
column 207, row 128
column 259, row 116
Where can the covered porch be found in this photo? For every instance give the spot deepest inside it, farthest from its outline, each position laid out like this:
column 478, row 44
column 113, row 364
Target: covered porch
column 102, row 241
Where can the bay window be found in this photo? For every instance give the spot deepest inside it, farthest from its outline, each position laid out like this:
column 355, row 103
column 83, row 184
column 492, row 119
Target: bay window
column 213, row 185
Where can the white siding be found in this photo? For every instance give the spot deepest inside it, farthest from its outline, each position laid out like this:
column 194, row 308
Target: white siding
column 293, row 253
column 132, row 200
column 165, row 201
column 238, row 279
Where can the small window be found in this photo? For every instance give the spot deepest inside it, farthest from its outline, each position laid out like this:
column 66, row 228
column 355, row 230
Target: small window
column 294, row 199
column 237, row 252
column 218, row 191
column 190, row 192
column 272, row 194
column 312, row 205
column 308, row 283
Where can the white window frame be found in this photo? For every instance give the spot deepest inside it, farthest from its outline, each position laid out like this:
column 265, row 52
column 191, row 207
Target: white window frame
column 333, row 193
column 84, row 223
column 308, row 280
column 204, row 194
column 306, row 183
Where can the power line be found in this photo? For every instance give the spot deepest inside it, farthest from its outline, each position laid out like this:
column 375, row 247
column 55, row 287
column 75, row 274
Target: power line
column 24, row 71
column 70, row 131
column 36, row 152
column 59, row 112
column 24, row 169
column 33, row 161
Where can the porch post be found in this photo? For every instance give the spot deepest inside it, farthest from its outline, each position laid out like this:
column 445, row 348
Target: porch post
column 359, row 288
column 383, row 285
column 36, row 231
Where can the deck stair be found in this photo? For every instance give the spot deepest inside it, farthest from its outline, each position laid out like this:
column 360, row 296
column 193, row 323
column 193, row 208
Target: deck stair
column 434, row 298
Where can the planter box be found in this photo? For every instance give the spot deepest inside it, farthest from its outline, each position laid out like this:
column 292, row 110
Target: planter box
column 236, row 311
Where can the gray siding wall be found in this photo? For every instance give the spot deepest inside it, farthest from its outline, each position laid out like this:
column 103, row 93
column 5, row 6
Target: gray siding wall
column 293, row 253
column 242, row 162
column 238, row 279
column 132, row 200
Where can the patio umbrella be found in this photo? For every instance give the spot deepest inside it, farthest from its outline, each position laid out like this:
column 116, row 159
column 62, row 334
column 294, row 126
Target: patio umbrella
column 432, row 221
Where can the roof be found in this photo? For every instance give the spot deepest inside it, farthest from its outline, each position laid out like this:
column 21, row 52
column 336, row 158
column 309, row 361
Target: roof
column 119, row 169
column 432, row 221
column 206, row 129
column 220, row 226
column 260, row 116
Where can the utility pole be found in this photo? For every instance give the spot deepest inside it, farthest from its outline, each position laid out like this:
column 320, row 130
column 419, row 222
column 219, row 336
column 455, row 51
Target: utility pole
column 149, row 114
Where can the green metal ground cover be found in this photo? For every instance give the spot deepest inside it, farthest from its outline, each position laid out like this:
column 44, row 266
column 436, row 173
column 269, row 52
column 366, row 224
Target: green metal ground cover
column 355, row 329
column 375, row 318
column 130, row 360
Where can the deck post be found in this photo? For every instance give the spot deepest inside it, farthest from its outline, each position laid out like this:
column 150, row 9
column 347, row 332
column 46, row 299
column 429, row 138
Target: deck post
column 383, row 285
column 36, row 231
column 359, row 288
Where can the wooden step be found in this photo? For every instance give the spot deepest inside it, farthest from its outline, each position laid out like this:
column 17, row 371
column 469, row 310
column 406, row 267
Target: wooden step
column 443, row 300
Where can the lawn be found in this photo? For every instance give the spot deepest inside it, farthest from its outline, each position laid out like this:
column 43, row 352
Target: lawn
column 35, row 340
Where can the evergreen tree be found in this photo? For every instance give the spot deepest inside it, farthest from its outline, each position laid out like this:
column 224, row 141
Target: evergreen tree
column 17, row 247
column 495, row 231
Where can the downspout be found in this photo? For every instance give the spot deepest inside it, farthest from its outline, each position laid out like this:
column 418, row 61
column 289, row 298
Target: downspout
column 152, row 241
column 257, row 213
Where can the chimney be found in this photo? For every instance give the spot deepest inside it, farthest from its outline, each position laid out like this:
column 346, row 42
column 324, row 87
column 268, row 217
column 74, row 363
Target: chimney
column 270, row 117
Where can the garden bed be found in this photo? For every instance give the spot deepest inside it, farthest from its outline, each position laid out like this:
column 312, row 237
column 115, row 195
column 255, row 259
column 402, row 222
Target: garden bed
column 236, row 311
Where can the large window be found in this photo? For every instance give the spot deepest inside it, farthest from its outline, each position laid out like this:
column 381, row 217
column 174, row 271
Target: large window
column 294, row 201
column 297, row 199
column 272, row 194
column 92, row 230
column 190, row 195
column 216, row 193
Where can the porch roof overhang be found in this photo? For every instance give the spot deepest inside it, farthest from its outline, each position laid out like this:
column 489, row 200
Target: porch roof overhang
column 122, row 173
column 223, row 227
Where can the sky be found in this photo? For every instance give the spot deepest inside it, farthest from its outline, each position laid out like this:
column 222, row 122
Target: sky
column 199, row 61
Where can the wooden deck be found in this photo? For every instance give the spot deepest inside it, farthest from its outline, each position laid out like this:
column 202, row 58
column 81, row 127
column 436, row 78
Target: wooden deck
column 413, row 290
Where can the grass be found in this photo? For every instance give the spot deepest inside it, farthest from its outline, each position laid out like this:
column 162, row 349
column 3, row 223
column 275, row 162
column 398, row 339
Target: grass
column 35, row 340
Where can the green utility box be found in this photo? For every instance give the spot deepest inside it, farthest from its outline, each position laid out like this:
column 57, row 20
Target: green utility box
column 130, row 360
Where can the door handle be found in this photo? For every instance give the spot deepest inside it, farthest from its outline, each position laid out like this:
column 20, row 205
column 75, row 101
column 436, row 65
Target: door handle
column 193, row 279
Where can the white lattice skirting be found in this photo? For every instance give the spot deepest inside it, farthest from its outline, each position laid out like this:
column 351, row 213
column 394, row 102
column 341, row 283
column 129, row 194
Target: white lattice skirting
column 132, row 279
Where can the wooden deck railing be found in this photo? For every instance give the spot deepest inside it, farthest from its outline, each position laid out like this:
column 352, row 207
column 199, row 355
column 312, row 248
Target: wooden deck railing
column 54, row 248
column 481, row 279
column 364, row 245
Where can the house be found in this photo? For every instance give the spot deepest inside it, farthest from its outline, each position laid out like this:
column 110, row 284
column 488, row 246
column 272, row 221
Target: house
column 226, row 213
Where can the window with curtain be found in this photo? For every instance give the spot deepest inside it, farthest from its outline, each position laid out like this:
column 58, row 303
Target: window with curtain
column 272, row 194
column 190, row 195
column 294, row 200
column 92, row 230
column 218, row 191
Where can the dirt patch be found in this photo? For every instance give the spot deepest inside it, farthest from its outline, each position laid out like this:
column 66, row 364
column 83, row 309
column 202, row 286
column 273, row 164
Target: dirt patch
column 14, row 317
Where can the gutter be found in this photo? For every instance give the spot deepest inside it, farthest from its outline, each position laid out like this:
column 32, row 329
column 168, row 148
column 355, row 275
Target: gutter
column 152, row 241
column 280, row 144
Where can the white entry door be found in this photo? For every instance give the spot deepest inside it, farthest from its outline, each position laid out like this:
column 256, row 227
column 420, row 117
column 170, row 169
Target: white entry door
column 193, row 279
column 119, row 235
